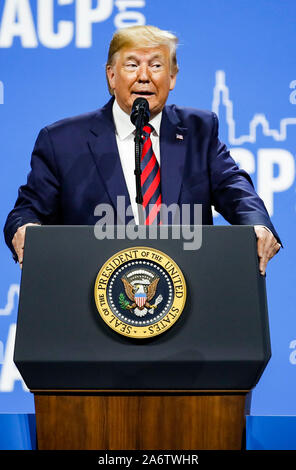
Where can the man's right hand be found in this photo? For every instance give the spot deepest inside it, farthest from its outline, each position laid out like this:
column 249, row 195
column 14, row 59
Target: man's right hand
column 18, row 241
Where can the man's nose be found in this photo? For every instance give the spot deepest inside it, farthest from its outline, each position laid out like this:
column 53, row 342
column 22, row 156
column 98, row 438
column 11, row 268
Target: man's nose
column 143, row 73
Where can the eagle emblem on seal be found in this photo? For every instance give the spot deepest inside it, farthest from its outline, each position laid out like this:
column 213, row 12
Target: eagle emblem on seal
column 140, row 287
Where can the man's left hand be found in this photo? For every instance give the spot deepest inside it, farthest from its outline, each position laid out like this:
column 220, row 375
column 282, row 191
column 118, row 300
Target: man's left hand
column 267, row 246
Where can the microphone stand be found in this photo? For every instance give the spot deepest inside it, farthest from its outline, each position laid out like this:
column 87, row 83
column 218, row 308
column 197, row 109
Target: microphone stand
column 138, row 154
column 139, row 117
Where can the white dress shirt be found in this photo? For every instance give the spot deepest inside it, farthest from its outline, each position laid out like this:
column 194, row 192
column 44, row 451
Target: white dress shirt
column 125, row 134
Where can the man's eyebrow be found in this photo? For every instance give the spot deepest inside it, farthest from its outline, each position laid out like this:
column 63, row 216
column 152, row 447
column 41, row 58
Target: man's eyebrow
column 157, row 56
column 134, row 57
column 131, row 56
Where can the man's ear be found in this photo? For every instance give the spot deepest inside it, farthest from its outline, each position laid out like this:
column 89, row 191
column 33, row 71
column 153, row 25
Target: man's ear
column 111, row 76
column 173, row 79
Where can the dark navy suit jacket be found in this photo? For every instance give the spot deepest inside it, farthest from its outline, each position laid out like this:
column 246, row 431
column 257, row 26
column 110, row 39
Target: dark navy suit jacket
column 75, row 166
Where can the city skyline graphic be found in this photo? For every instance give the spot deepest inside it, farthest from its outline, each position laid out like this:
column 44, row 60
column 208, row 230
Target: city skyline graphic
column 221, row 96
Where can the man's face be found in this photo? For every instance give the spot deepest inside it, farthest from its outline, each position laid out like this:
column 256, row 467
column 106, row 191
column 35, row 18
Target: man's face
column 143, row 72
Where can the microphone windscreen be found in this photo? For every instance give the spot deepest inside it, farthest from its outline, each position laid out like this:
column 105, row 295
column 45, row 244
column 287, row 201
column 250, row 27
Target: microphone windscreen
column 140, row 109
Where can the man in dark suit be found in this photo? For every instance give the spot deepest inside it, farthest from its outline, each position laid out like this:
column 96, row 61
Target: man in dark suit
column 88, row 160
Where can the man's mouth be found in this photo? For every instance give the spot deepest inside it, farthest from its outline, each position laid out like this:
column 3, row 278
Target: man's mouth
column 143, row 93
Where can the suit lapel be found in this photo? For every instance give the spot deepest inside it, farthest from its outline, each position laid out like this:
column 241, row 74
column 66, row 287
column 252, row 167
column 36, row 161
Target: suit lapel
column 102, row 142
column 172, row 151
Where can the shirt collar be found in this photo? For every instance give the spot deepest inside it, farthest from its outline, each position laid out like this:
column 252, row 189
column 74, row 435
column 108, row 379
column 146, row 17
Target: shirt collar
column 124, row 126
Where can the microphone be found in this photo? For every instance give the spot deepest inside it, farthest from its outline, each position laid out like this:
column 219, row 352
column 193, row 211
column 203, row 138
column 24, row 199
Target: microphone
column 140, row 112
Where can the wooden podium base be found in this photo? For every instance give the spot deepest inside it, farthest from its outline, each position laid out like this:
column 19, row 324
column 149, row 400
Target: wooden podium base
column 140, row 420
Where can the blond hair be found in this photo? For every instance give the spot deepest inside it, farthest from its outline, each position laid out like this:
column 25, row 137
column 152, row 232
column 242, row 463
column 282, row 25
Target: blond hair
column 140, row 37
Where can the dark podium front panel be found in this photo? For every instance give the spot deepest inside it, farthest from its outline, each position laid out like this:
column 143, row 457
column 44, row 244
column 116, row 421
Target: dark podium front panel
column 220, row 342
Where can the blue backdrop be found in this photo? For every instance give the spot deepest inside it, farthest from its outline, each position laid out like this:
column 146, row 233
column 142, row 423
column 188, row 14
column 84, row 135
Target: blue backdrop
column 236, row 57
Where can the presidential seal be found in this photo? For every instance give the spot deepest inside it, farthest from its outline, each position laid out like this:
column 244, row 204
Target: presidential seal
column 140, row 292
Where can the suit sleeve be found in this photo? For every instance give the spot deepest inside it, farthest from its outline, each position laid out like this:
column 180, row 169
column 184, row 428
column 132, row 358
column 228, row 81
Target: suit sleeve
column 38, row 199
column 233, row 193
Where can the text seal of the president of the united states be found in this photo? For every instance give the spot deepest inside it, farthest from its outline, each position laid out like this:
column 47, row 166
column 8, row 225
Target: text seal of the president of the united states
column 140, row 292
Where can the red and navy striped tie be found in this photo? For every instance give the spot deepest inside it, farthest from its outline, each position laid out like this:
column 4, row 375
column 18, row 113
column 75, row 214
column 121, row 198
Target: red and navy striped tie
column 150, row 180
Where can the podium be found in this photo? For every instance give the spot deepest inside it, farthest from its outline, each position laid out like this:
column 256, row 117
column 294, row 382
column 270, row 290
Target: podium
column 183, row 388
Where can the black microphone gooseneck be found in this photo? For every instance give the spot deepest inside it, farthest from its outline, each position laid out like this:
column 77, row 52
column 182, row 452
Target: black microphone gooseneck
column 139, row 117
